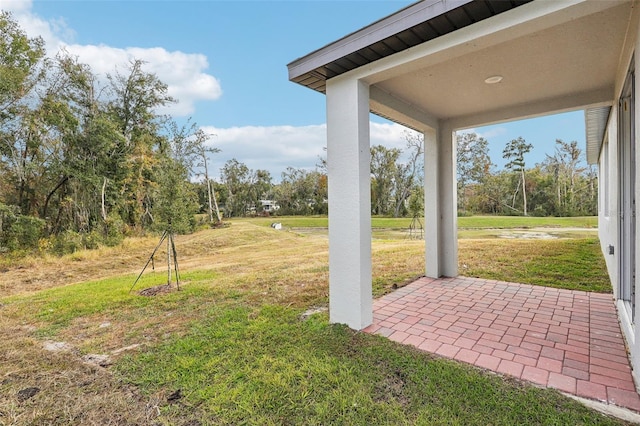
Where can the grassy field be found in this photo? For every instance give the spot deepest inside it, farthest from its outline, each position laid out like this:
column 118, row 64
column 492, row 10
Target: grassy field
column 471, row 222
column 475, row 227
column 232, row 347
column 475, row 222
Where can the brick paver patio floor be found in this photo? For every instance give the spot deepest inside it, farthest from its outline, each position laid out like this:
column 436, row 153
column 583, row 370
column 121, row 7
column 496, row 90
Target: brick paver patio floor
column 563, row 339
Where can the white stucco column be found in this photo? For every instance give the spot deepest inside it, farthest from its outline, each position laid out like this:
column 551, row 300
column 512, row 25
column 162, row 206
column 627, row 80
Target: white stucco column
column 440, row 203
column 431, row 204
column 348, row 159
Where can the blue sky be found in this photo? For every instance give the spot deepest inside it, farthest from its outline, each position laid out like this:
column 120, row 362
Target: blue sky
column 226, row 63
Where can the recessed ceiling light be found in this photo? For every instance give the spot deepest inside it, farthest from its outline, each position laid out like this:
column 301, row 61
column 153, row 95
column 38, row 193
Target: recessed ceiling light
column 493, row 79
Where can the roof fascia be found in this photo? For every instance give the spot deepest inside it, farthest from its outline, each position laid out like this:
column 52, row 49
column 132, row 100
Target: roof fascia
column 386, row 27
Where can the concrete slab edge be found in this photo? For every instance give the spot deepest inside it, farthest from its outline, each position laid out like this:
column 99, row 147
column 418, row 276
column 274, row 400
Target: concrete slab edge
column 608, row 409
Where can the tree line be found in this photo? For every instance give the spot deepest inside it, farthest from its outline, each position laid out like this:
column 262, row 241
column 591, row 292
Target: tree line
column 396, row 177
column 85, row 161
column 561, row 185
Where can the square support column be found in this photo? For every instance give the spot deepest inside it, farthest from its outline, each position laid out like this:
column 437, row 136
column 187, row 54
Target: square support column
column 348, row 161
column 440, row 203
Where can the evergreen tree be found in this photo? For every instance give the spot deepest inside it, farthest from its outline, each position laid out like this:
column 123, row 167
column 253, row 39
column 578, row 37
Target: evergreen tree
column 514, row 152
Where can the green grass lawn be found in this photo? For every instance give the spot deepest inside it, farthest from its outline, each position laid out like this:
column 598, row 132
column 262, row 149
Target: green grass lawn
column 500, row 222
column 265, row 366
column 234, row 362
column 232, row 347
column 573, row 264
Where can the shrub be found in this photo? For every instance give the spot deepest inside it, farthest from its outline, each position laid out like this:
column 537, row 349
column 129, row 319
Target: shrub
column 92, row 240
column 28, row 230
column 66, row 243
column 113, row 230
column 19, row 232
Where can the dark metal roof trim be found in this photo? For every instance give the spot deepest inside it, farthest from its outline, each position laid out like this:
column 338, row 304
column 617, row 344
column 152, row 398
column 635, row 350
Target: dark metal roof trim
column 413, row 25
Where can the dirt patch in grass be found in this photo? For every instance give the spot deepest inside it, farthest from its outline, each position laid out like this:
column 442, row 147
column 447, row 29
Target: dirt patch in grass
column 156, row 290
column 41, row 386
column 391, row 388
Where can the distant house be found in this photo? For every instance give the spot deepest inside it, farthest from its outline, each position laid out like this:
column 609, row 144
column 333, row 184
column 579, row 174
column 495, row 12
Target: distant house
column 438, row 66
column 269, row 206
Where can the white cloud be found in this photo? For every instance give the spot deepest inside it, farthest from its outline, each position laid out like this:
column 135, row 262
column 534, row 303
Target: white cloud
column 15, row 6
column 390, row 135
column 274, row 148
column 184, row 73
column 489, row 132
column 54, row 33
column 271, row 148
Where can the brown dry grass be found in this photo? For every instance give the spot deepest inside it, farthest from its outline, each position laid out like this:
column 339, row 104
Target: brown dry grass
column 69, row 391
column 260, row 264
column 36, row 273
column 240, row 249
column 255, row 263
column 576, row 264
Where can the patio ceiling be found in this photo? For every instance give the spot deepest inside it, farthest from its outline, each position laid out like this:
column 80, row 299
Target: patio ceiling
column 575, row 57
column 552, row 57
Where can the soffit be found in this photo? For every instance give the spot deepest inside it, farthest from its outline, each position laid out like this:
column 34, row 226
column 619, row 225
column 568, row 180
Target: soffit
column 579, row 56
column 570, row 64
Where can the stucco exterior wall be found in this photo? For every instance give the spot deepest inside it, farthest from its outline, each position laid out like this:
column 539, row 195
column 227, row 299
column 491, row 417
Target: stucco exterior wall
column 608, row 200
column 610, row 194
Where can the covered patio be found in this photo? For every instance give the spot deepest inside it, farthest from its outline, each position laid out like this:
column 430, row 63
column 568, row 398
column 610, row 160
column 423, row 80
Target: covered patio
column 563, row 339
column 442, row 66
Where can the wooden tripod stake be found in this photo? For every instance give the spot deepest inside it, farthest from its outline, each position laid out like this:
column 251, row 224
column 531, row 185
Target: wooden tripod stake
column 416, row 229
column 171, row 253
